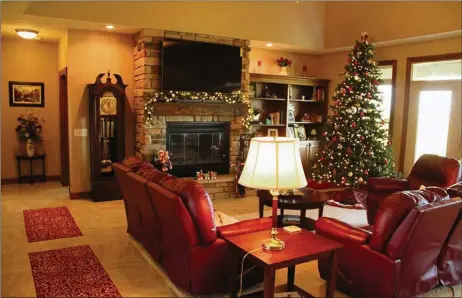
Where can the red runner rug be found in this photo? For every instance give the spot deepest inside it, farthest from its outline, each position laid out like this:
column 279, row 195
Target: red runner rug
column 70, row 272
column 50, row 223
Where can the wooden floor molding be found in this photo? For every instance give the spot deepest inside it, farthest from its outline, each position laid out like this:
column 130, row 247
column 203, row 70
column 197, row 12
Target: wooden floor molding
column 79, row 195
column 6, row 181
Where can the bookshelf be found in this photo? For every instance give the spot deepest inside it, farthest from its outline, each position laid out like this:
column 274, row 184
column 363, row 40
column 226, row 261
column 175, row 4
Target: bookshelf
column 273, row 94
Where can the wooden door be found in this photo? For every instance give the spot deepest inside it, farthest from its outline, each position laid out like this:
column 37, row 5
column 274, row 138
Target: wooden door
column 64, row 127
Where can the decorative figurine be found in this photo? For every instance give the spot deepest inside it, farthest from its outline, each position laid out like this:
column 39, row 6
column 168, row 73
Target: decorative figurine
column 163, row 161
column 306, row 117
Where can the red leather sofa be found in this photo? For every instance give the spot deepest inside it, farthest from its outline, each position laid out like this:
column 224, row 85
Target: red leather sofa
column 399, row 256
column 174, row 220
column 450, row 258
column 428, row 170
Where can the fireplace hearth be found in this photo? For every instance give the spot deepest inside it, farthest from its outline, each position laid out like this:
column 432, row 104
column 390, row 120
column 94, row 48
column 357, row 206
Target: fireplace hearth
column 196, row 146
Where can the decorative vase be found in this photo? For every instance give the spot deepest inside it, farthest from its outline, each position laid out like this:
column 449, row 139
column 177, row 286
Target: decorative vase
column 283, row 71
column 30, row 147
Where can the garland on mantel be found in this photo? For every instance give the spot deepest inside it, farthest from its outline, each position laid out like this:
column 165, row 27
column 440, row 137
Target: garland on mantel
column 174, row 96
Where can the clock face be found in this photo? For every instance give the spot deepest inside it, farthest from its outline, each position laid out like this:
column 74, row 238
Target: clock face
column 108, row 105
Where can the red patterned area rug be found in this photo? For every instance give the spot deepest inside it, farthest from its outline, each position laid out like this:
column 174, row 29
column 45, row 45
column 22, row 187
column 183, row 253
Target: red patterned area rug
column 70, row 272
column 50, row 223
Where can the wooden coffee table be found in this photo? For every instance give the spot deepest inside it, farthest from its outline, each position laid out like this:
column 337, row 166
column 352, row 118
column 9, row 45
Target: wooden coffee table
column 301, row 247
column 308, row 199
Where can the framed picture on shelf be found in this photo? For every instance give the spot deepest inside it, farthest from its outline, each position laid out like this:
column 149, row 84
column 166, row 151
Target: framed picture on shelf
column 272, row 132
column 26, row 94
column 300, row 131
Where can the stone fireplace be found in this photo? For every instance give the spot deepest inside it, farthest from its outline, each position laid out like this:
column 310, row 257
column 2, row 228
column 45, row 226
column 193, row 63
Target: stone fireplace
column 147, row 72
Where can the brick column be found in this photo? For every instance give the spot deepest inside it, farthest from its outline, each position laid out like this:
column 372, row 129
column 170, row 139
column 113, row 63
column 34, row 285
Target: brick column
column 147, row 78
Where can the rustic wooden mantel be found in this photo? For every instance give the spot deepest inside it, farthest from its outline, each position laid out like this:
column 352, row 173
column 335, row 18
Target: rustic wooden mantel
column 199, row 109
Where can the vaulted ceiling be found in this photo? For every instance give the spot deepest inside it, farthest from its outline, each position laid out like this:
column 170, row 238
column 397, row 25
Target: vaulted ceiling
column 291, row 25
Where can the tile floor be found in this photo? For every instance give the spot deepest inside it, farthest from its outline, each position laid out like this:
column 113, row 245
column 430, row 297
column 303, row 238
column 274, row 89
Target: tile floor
column 103, row 225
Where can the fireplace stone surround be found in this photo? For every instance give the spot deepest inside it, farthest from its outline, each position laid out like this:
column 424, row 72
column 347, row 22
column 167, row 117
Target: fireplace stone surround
column 151, row 137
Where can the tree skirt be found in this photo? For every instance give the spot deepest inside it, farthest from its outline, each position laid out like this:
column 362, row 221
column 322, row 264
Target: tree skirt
column 70, row 272
column 50, row 223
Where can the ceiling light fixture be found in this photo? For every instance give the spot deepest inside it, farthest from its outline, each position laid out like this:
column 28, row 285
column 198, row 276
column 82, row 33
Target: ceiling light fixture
column 27, row 33
column 269, row 44
column 110, row 27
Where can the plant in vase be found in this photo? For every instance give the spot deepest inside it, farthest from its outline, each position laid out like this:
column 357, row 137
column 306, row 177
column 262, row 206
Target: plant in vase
column 284, row 63
column 29, row 130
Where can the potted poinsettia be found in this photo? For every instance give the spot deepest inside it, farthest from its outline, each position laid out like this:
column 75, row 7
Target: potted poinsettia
column 284, row 63
column 29, row 130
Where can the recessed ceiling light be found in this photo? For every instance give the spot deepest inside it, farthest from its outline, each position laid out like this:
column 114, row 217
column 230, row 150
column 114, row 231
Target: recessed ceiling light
column 110, row 27
column 27, row 33
column 269, row 44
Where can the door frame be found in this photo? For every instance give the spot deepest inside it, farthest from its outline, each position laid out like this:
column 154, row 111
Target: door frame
column 407, row 93
column 64, row 127
column 394, row 72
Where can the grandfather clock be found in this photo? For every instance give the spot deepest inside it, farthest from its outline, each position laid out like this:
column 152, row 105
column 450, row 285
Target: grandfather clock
column 107, row 135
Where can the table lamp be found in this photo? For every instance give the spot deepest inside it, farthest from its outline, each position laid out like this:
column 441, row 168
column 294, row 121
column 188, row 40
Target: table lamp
column 274, row 164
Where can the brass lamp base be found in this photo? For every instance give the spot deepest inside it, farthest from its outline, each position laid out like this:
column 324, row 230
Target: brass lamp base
column 273, row 243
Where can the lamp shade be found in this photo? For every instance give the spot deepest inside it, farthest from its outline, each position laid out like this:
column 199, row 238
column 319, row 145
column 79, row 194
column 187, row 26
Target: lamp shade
column 273, row 164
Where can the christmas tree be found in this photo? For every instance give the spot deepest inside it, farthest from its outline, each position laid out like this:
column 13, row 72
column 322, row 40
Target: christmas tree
column 355, row 145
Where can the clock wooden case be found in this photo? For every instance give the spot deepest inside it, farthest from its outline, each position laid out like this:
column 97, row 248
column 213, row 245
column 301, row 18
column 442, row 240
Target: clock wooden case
column 107, row 135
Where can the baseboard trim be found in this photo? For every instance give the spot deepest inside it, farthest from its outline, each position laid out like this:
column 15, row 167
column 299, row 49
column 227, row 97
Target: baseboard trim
column 6, row 181
column 79, row 195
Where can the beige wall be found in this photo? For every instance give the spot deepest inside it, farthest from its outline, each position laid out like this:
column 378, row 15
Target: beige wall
column 333, row 64
column 345, row 20
column 62, row 51
column 30, row 61
column 269, row 66
column 91, row 53
column 283, row 22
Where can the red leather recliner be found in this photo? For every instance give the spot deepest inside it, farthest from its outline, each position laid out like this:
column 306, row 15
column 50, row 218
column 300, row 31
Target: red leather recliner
column 193, row 255
column 428, row 170
column 398, row 258
column 450, row 258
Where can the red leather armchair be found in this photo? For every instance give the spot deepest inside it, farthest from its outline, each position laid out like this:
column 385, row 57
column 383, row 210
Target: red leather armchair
column 398, row 258
column 428, row 170
column 450, row 258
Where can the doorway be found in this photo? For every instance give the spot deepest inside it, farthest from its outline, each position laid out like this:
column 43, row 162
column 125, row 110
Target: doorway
column 64, row 127
column 434, row 124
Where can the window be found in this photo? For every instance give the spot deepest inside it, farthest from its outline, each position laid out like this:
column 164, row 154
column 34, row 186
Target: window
column 432, row 136
column 437, row 71
column 388, row 70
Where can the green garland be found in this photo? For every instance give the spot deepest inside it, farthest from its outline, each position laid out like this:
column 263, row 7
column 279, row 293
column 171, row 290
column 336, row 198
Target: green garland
column 174, row 96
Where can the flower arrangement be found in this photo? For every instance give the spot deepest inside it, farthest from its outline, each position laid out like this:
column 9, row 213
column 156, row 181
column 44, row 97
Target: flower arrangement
column 284, row 62
column 29, row 127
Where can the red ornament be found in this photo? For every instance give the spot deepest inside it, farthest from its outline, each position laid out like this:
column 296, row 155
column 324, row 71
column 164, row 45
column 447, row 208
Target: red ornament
column 353, row 124
column 385, row 161
column 343, row 90
column 356, row 62
column 334, row 139
column 389, row 142
column 349, row 60
column 366, row 172
column 350, row 88
column 361, row 114
column 362, row 138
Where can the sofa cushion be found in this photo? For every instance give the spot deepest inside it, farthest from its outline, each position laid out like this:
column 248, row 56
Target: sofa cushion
column 434, row 170
column 198, row 203
column 133, row 162
column 392, row 212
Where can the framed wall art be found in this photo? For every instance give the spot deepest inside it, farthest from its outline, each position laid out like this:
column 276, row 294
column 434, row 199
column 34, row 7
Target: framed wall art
column 26, row 94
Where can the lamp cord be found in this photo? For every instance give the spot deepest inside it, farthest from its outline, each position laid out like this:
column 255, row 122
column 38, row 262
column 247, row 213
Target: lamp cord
column 242, row 269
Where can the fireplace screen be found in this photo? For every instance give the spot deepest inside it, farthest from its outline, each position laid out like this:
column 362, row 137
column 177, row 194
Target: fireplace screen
column 196, row 146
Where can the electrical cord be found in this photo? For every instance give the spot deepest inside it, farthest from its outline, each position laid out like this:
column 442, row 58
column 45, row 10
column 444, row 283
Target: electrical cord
column 242, row 269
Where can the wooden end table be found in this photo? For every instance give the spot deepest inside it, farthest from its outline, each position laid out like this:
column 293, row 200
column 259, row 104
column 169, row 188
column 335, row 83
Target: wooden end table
column 31, row 178
column 306, row 200
column 301, row 247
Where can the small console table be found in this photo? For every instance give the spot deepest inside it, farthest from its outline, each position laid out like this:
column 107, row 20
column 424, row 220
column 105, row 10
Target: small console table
column 31, row 178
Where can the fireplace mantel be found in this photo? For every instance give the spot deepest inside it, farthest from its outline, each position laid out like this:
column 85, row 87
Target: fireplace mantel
column 199, row 109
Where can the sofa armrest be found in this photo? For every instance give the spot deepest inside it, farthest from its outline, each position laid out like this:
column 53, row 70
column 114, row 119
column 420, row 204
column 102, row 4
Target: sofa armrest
column 387, row 184
column 340, row 231
column 244, row 227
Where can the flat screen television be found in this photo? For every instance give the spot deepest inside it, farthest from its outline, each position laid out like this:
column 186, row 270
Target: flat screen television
column 200, row 67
